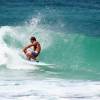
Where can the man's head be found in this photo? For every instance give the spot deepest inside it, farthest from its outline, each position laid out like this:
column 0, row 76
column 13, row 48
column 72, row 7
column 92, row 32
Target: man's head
column 32, row 39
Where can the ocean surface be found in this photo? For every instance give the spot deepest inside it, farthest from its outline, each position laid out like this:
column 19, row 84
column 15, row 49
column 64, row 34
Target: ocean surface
column 69, row 34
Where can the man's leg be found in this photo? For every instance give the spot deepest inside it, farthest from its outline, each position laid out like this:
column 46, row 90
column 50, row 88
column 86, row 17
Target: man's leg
column 34, row 56
column 29, row 56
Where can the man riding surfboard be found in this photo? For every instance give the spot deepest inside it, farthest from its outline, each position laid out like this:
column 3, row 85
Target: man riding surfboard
column 36, row 48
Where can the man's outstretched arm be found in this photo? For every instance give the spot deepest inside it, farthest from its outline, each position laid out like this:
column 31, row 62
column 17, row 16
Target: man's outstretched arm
column 24, row 50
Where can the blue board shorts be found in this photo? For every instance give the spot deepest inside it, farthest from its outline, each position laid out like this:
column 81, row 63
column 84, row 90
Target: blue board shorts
column 35, row 53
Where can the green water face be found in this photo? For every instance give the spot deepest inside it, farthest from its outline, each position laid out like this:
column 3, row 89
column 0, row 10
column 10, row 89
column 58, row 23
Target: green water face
column 75, row 55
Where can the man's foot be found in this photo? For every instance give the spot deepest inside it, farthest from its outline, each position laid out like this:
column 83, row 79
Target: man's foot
column 37, row 60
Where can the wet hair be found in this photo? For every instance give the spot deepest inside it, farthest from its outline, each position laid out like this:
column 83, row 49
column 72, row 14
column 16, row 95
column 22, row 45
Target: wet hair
column 33, row 38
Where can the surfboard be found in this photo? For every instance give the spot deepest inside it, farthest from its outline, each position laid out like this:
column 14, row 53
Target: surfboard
column 37, row 63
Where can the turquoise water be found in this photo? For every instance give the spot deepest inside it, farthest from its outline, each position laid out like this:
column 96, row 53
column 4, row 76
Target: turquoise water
column 69, row 34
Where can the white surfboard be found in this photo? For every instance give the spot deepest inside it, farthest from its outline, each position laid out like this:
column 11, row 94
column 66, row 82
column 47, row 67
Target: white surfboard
column 34, row 63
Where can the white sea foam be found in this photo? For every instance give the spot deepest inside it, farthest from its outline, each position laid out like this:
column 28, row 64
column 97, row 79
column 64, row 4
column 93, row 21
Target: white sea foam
column 10, row 55
column 51, row 90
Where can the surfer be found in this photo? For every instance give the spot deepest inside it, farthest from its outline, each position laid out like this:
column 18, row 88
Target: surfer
column 33, row 49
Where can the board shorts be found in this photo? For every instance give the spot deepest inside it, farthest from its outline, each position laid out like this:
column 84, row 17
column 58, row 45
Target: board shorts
column 35, row 53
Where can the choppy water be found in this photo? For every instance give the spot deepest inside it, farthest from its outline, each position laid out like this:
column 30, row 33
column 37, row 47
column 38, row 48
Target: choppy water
column 68, row 32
